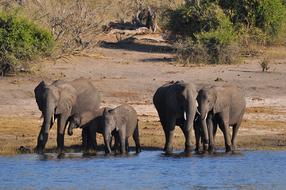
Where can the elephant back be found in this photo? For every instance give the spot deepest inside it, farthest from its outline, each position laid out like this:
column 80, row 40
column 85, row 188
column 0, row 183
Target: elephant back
column 88, row 97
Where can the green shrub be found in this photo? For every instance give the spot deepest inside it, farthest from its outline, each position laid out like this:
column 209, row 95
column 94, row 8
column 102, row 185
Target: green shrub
column 218, row 25
column 191, row 19
column 270, row 15
column 267, row 15
column 208, row 33
column 21, row 41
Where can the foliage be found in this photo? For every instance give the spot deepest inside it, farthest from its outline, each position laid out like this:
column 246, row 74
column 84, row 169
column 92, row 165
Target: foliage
column 219, row 25
column 210, row 30
column 189, row 52
column 266, row 15
column 21, row 40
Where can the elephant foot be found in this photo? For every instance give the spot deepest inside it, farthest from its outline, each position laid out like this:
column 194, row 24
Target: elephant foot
column 107, row 153
column 205, row 147
column 227, row 148
column 138, row 150
column 233, row 148
column 61, row 155
column 60, row 150
column 39, row 150
column 168, row 150
column 124, row 152
column 211, row 149
column 188, row 149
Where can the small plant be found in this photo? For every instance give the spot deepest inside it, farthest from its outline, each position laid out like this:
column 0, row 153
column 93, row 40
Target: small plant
column 265, row 64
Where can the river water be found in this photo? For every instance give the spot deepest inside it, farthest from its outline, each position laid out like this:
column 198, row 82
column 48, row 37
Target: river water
column 249, row 170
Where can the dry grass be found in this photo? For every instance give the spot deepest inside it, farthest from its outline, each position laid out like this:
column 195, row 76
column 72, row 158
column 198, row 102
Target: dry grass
column 254, row 134
column 275, row 52
column 266, row 110
column 16, row 132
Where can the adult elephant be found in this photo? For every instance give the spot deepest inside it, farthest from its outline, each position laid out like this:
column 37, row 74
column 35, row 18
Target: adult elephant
column 175, row 103
column 221, row 106
column 61, row 100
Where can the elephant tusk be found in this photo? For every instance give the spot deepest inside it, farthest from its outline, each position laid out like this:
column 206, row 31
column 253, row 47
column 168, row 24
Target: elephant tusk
column 52, row 121
column 198, row 112
column 205, row 117
column 185, row 115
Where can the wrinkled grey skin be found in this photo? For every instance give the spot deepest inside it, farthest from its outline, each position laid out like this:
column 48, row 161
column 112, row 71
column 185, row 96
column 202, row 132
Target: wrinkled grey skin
column 60, row 100
column 91, row 123
column 175, row 103
column 123, row 121
column 221, row 106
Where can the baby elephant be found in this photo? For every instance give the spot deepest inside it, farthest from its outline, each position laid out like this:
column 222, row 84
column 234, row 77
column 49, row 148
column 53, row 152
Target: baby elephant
column 91, row 123
column 122, row 121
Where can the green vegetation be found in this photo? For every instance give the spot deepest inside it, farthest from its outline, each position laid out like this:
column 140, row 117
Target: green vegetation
column 206, row 31
column 21, row 40
column 215, row 27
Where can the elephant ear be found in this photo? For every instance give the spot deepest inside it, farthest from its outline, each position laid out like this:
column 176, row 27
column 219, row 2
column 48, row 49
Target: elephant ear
column 66, row 101
column 219, row 101
column 39, row 94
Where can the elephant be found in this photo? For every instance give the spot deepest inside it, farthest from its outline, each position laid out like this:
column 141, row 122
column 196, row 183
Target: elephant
column 91, row 123
column 175, row 103
column 123, row 122
column 60, row 100
column 221, row 106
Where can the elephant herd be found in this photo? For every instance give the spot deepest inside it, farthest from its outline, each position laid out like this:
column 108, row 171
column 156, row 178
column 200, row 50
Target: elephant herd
column 76, row 104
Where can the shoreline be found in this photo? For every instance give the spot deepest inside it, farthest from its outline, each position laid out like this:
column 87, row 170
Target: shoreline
column 22, row 131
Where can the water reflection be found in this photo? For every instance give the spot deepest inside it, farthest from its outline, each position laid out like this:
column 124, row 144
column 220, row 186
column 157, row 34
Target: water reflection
column 148, row 170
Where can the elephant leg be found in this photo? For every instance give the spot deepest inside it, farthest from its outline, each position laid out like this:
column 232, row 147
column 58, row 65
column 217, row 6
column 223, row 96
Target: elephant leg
column 136, row 139
column 197, row 134
column 84, row 136
column 116, row 143
column 62, row 123
column 122, row 138
column 234, row 135
column 225, row 130
column 42, row 140
column 187, row 134
column 169, row 134
column 126, row 145
column 211, row 136
column 214, row 130
column 92, row 143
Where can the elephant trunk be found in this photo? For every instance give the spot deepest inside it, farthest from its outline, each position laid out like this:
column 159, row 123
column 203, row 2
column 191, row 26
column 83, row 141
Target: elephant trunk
column 44, row 133
column 70, row 129
column 203, row 116
column 190, row 115
column 205, row 131
column 107, row 142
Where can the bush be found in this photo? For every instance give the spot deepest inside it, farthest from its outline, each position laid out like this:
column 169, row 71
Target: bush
column 266, row 15
column 208, row 33
column 191, row 19
column 218, row 25
column 188, row 52
column 21, row 40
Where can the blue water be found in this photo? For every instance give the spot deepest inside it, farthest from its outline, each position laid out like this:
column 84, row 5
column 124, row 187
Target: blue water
column 148, row 170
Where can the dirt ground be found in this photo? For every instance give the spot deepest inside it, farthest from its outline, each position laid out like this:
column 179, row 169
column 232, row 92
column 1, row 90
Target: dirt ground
column 130, row 72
